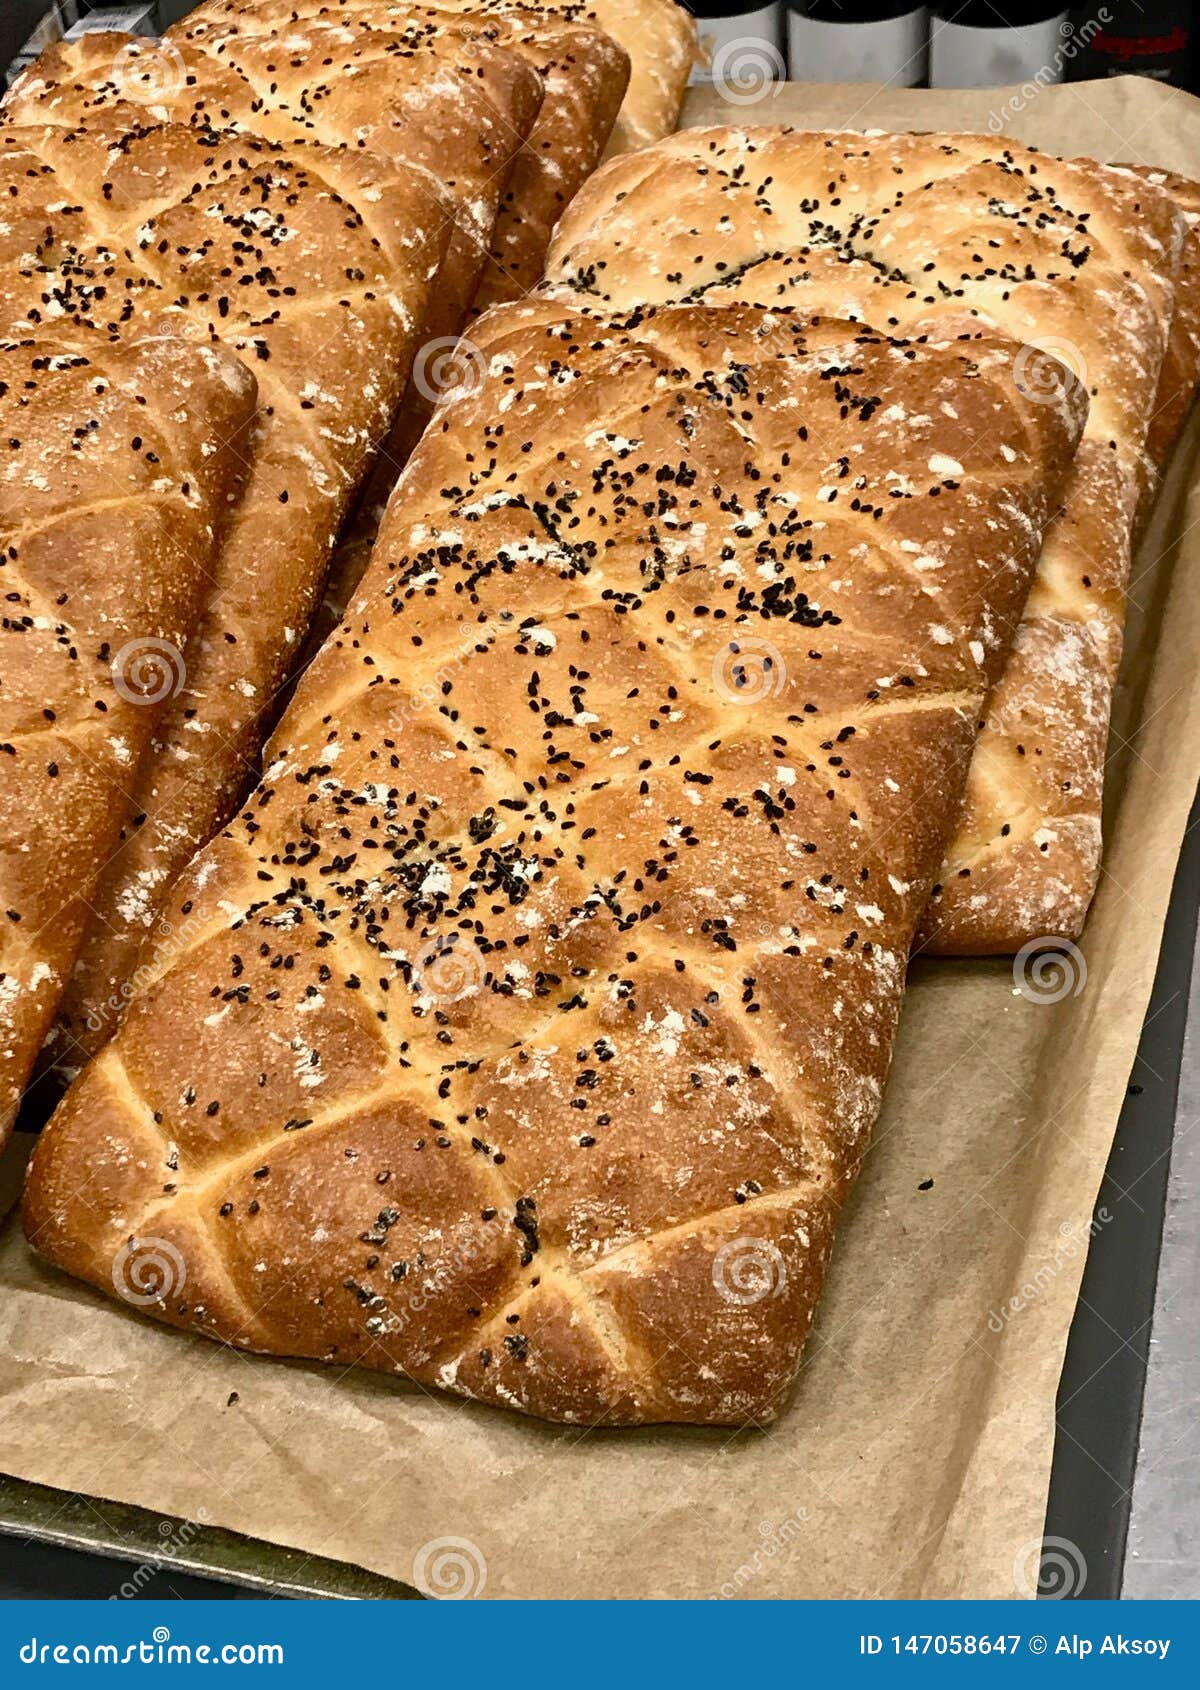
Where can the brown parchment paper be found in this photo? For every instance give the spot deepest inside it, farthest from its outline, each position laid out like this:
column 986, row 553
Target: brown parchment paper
column 914, row 1457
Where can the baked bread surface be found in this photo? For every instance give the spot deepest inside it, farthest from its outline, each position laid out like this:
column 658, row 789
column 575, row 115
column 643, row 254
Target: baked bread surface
column 118, row 462
column 549, row 980
column 658, row 37
column 451, row 108
column 1181, row 366
column 314, row 264
column 582, row 71
column 583, row 74
column 947, row 233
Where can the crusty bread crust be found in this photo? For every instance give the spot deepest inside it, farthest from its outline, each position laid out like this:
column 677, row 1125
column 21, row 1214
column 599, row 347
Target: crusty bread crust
column 658, row 37
column 912, row 231
column 316, row 261
column 548, row 984
column 583, row 73
column 287, row 256
column 1181, row 366
column 118, row 464
column 449, row 102
column 663, row 44
column 436, row 98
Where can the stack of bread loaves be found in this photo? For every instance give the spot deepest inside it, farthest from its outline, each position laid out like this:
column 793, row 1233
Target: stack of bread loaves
column 951, row 234
column 544, row 991
column 458, row 139
column 523, row 1032
column 291, row 258
column 120, row 460
column 612, row 71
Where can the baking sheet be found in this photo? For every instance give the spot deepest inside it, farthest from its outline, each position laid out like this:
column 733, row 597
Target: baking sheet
column 130, row 1552
column 83, row 1546
column 86, row 1547
column 1098, row 1451
column 914, row 1457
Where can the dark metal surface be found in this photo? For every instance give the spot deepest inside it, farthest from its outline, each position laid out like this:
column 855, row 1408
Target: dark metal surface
column 55, row 1544
column 41, row 1572
column 1104, row 1375
column 17, row 18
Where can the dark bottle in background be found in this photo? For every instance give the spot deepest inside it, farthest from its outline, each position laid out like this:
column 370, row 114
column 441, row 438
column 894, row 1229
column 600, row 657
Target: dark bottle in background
column 741, row 39
column 1134, row 38
column 857, row 41
column 991, row 43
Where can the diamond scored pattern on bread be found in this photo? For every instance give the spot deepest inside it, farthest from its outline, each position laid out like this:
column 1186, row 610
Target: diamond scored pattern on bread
column 115, row 466
column 330, row 54
column 314, row 262
column 958, row 233
column 549, row 981
column 316, row 51
column 451, row 109
column 658, row 37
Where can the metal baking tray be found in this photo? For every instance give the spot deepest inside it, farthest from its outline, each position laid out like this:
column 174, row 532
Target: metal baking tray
column 130, row 1551
column 1103, row 1381
column 1099, row 1408
column 64, row 1544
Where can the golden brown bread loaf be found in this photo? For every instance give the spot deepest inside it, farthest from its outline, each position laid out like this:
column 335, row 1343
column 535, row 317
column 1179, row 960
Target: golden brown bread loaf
column 661, row 40
column 658, row 36
column 118, row 464
column 583, row 76
column 310, row 264
column 449, row 108
column 547, row 985
column 1181, row 366
column 908, row 232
